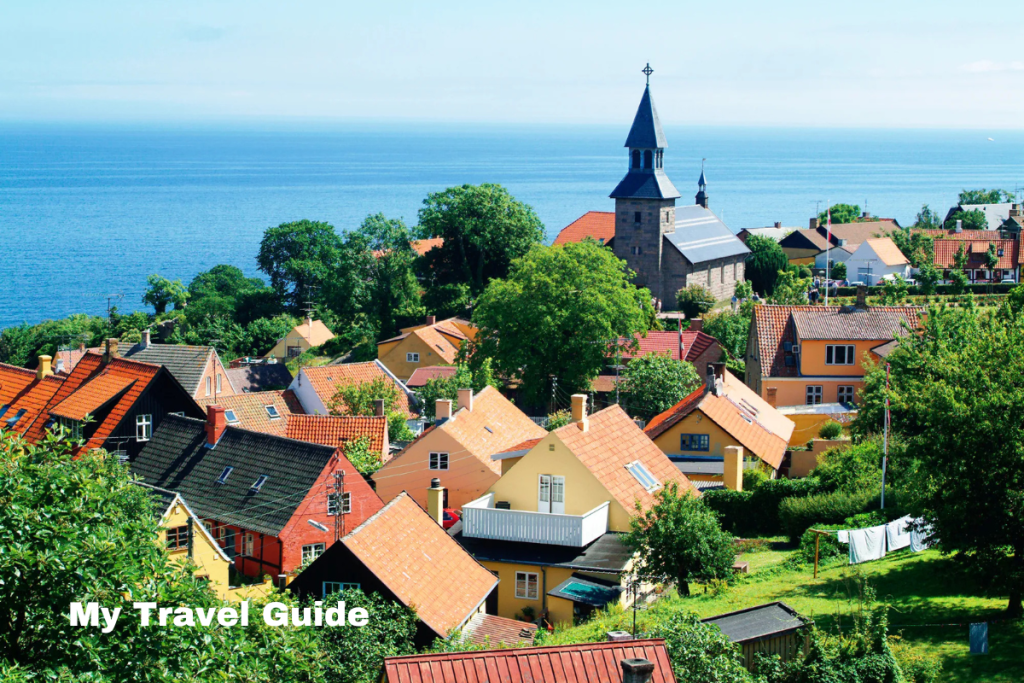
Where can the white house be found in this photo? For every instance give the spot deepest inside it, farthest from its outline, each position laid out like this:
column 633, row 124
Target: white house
column 837, row 254
column 874, row 259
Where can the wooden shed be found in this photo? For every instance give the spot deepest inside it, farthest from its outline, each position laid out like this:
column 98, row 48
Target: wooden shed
column 774, row 628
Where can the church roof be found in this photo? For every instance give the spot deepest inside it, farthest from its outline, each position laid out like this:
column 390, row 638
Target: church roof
column 702, row 236
column 646, row 132
column 640, row 184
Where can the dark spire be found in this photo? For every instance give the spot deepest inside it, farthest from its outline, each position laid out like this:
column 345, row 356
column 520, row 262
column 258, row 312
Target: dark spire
column 646, row 178
column 646, row 132
column 702, row 187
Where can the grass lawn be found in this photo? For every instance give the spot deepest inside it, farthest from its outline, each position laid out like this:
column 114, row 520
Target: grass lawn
column 922, row 588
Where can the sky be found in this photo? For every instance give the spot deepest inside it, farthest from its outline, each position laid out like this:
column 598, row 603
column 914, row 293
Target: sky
column 892, row 64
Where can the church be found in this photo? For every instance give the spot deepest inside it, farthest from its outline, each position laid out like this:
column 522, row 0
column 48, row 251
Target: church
column 669, row 247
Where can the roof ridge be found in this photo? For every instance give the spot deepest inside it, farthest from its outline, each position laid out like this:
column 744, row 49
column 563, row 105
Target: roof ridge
column 526, row 651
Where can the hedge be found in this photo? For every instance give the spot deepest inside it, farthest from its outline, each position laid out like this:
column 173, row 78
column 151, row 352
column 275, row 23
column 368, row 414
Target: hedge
column 797, row 515
column 829, row 546
column 756, row 512
column 979, row 288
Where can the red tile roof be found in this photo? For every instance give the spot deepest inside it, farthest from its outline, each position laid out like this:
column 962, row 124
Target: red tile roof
column 335, row 430
column 328, row 379
column 579, row 663
column 20, row 390
column 251, row 409
column 663, row 341
column 421, row 564
column 489, row 629
column 92, row 396
column 664, row 421
column 600, row 225
column 521, row 446
column 976, row 250
column 420, row 376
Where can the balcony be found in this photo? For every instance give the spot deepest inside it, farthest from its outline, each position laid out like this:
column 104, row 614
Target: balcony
column 480, row 519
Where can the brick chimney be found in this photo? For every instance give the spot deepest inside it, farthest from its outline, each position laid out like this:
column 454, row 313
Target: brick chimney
column 44, row 369
column 772, row 396
column 813, row 224
column 145, row 339
column 442, row 410
column 216, row 423
column 579, row 411
column 431, row 319
column 465, row 400
column 696, row 325
column 862, row 295
column 1015, row 211
column 778, row 224
column 111, row 350
column 636, row 670
column 715, row 378
column 435, row 501
column 732, row 474
column 378, row 407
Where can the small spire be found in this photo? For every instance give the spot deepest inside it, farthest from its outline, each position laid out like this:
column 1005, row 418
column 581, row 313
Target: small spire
column 702, row 181
column 647, row 71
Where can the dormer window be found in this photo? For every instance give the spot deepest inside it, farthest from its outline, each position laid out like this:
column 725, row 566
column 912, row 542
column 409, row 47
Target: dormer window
column 223, row 478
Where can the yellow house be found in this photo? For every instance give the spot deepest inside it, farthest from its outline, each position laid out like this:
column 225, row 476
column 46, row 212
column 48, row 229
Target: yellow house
column 724, row 412
column 433, row 343
column 551, row 527
column 458, row 449
column 810, row 355
column 304, row 336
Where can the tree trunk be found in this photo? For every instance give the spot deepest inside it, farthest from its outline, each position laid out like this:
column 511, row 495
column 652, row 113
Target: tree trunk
column 1015, row 609
column 683, row 587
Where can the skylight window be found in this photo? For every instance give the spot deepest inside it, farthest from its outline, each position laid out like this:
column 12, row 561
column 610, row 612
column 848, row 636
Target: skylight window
column 641, row 474
column 223, row 478
column 489, row 430
column 272, row 412
column 11, row 421
column 230, row 416
column 259, row 484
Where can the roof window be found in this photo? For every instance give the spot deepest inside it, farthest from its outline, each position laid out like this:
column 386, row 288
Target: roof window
column 223, row 478
column 11, row 421
column 641, row 474
column 259, row 484
column 272, row 412
column 489, row 430
column 230, row 416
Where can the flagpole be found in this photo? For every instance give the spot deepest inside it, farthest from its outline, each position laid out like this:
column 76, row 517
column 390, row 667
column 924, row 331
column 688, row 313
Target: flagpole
column 828, row 248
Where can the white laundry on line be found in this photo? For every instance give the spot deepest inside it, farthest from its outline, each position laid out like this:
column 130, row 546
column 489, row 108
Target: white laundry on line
column 867, row 544
column 897, row 534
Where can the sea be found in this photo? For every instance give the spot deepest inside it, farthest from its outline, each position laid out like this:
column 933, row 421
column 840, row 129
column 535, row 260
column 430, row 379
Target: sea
column 88, row 212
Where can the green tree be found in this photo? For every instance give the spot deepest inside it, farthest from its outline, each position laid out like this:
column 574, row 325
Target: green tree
column 680, row 538
column 927, row 219
column 991, row 257
column 695, row 300
column 224, row 290
column 985, row 197
column 956, row 400
column 699, row 652
column 790, row 289
column 655, row 382
column 162, row 293
column 558, row 314
column 558, row 419
column 918, row 247
column 484, row 229
column 731, row 329
column 764, row 263
column 448, row 301
column 971, row 220
column 359, row 399
column 841, row 213
column 894, row 290
column 260, row 336
column 443, row 388
column 362, row 457
column 299, row 258
column 927, row 277
column 838, row 271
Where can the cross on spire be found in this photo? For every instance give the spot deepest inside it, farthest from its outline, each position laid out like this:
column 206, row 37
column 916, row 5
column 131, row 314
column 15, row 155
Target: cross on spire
column 647, row 71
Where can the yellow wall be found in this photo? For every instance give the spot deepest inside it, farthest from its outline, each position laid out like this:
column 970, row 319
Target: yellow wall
column 293, row 338
column 696, row 423
column 793, row 392
column 559, row 609
column 583, row 491
column 467, row 477
column 812, row 358
column 209, row 562
column 393, row 356
column 802, row 261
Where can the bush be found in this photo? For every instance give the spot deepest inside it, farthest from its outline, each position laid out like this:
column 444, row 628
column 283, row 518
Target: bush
column 756, row 512
column 797, row 515
column 831, row 430
column 829, row 546
column 980, row 288
column 695, row 300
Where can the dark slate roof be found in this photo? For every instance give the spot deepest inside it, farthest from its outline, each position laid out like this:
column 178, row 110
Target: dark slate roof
column 586, row 591
column 606, row 554
column 701, row 236
column 162, row 498
column 259, row 377
column 646, row 132
column 645, row 184
column 185, row 363
column 176, row 458
column 756, row 623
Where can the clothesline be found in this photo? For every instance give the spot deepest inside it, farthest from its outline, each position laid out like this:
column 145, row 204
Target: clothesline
column 871, row 543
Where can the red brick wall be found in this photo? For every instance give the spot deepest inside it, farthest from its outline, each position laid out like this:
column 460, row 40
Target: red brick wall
column 712, row 354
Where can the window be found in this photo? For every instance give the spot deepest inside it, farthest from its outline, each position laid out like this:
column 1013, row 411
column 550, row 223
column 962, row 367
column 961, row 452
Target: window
column 813, row 395
column 294, row 351
column 11, row 421
column 638, row 216
column 177, row 538
column 143, row 427
column 219, row 378
column 648, row 157
column 636, row 158
column 790, row 361
column 209, row 386
column 249, row 545
column 636, row 251
column 223, row 478
column 338, row 586
column 846, row 394
column 312, row 551
column 839, row 354
column 346, row 503
column 641, row 474
column 527, row 585
column 260, row 481
column 412, row 358
column 272, row 412
column 72, row 428
column 438, row 461
column 695, row 442
column 231, row 417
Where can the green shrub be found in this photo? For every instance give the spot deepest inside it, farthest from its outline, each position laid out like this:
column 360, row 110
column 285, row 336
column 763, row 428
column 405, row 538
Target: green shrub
column 797, row 515
column 831, row 430
column 695, row 300
column 756, row 512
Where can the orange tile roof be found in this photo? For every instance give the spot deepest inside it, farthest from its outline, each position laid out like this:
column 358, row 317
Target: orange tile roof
column 611, row 441
column 521, row 446
column 421, row 247
column 976, row 251
column 888, row 251
column 315, row 333
column 442, row 342
column 251, row 409
column 20, row 390
column 603, row 384
column 664, row 420
column 579, row 663
column 494, row 425
column 600, row 225
column 490, row 629
column 421, row 564
column 420, row 376
column 328, row 379
column 336, row 430
column 92, row 396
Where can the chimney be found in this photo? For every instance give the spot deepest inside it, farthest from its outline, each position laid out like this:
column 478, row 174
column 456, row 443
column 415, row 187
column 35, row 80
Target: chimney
column 81, row 347
column 579, row 411
column 442, row 410
column 862, row 295
column 145, row 339
column 378, row 407
column 618, row 636
column 772, row 396
column 732, row 474
column 465, row 400
column 778, row 224
column 435, row 501
column 959, row 226
column 636, row 670
column 814, row 224
column 1015, row 211
column 111, row 351
column 216, row 423
column 696, row 325
column 431, row 319
column 715, row 378
column 44, row 369
column 866, row 214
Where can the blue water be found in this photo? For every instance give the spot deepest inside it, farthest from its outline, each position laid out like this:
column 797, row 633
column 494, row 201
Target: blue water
column 86, row 213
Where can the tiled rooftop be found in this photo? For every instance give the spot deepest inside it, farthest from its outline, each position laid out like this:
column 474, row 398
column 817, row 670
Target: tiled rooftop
column 598, row 225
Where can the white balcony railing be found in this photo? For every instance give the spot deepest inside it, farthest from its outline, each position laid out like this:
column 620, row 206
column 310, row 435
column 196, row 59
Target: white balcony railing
column 480, row 519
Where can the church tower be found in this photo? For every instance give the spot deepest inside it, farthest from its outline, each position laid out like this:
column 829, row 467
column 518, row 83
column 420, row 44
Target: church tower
column 702, row 188
column 645, row 199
